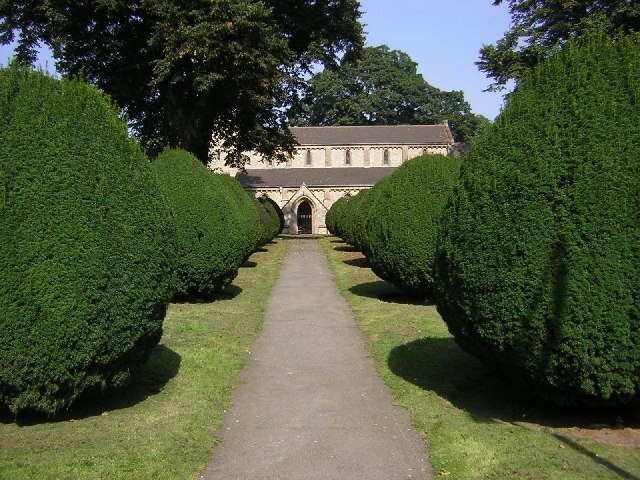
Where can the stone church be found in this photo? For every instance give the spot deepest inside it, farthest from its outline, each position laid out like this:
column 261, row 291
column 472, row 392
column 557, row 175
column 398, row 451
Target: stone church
column 331, row 162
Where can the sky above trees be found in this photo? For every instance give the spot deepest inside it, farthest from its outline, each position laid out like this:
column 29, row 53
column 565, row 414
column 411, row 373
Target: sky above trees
column 444, row 39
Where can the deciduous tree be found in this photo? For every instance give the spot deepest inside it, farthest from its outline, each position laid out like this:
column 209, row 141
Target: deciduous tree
column 541, row 27
column 182, row 69
column 384, row 88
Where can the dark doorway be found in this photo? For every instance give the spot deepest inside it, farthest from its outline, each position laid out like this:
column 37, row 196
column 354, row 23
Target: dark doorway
column 305, row 223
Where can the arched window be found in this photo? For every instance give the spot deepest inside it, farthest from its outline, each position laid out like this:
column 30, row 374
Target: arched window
column 347, row 157
column 308, row 157
column 385, row 157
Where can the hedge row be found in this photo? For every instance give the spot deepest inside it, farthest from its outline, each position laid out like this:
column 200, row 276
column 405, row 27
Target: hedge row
column 396, row 223
column 217, row 224
column 404, row 222
column 94, row 242
column 86, row 244
column 539, row 268
column 275, row 212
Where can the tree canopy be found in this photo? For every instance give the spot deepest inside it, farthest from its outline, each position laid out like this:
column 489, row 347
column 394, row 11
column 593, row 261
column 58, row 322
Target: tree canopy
column 539, row 28
column 383, row 87
column 182, row 69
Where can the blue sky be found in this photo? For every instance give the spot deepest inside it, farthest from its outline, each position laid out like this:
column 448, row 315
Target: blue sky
column 442, row 37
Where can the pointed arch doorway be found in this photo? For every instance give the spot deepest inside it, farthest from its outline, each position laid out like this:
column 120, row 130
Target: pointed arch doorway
column 304, row 216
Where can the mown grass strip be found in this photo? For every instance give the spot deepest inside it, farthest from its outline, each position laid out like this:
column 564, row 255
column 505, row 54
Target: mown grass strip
column 163, row 425
column 475, row 426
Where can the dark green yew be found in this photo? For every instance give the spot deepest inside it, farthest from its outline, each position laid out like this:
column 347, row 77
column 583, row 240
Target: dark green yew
column 538, row 269
column 87, row 247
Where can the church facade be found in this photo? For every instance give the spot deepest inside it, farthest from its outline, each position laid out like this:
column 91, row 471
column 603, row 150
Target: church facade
column 333, row 162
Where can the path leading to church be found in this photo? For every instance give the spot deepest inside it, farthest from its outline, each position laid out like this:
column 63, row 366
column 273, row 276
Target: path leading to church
column 310, row 404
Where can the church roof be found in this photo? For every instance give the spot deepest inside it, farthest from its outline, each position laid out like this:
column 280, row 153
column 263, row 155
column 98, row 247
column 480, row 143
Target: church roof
column 374, row 135
column 313, row 177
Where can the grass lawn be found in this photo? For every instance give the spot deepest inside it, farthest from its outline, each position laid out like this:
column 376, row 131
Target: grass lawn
column 475, row 426
column 163, row 425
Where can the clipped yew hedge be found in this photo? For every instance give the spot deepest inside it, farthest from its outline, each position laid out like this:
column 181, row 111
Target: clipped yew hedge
column 403, row 222
column 274, row 210
column 248, row 225
column 269, row 217
column 86, row 244
column 268, row 220
column 352, row 222
column 538, row 271
column 211, row 242
column 333, row 218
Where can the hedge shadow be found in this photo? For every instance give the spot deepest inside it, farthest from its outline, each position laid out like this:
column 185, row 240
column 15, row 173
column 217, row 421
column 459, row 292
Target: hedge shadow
column 146, row 380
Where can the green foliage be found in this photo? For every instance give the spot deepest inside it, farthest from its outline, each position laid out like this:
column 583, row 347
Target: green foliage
column 404, row 221
column 268, row 220
column 333, row 217
column 188, row 379
column 211, row 243
column 352, row 222
column 538, row 29
column 273, row 208
column 247, row 219
column 384, row 88
column 86, row 244
column 464, row 411
column 180, row 68
column 275, row 224
column 538, row 272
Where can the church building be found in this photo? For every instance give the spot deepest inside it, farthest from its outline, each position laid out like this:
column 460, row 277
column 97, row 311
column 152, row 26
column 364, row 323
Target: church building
column 332, row 162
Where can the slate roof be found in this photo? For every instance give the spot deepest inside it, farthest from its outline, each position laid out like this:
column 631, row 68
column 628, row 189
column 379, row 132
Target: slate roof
column 374, row 135
column 313, row 177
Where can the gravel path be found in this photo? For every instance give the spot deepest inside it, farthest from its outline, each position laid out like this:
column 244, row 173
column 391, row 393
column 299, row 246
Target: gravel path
column 310, row 404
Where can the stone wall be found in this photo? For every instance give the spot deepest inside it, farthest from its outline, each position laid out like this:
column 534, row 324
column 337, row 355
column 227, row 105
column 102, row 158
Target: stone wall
column 334, row 157
column 320, row 156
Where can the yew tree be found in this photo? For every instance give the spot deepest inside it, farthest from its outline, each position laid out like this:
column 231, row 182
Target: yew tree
column 538, row 269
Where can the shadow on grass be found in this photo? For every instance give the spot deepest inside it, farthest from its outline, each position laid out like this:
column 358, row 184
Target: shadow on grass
column 346, row 248
column 362, row 262
column 146, row 380
column 441, row 366
column 569, row 442
column 249, row 264
column 261, row 250
column 300, row 236
column 229, row 293
column 386, row 292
